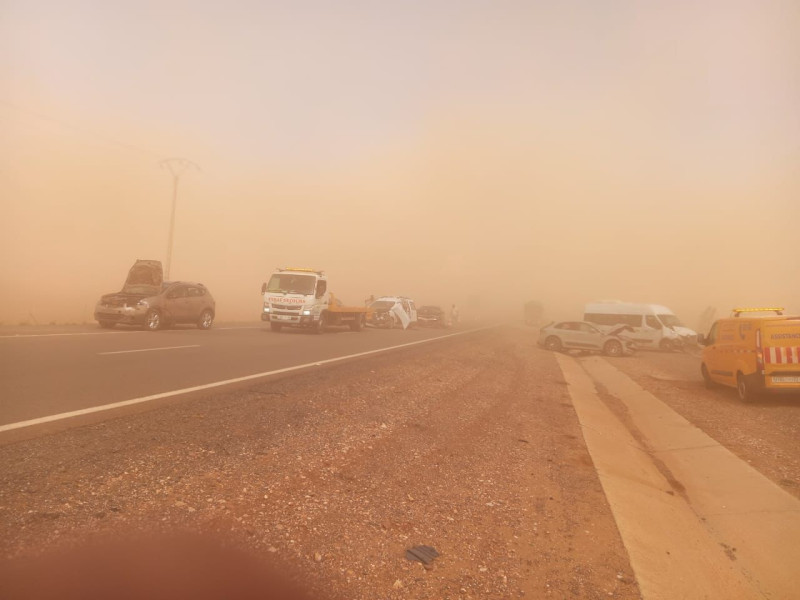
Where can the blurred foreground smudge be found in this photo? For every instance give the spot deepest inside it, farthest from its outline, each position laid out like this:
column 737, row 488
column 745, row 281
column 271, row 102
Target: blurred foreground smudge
column 150, row 567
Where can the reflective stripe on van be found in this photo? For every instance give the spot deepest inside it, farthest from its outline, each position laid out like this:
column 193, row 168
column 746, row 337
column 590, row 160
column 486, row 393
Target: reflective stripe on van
column 782, row 355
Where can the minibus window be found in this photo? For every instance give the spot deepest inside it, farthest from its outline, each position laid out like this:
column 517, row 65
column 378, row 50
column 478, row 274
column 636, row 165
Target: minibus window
column 653, row 322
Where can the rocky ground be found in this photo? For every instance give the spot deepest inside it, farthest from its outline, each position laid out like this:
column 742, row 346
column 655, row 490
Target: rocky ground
column 470, row 446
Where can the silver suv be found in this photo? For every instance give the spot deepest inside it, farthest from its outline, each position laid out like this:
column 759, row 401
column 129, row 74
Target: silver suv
column 147, row 300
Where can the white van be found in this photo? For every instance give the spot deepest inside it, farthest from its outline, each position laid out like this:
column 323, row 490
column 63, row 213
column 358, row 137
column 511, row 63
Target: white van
column 655, row 326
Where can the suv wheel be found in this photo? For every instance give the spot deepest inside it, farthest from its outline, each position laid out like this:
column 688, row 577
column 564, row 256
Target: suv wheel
column 152, row 320
column 206, row 319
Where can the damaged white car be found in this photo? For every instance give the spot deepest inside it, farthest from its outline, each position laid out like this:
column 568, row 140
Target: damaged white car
column 389, row 312
column 580, row 335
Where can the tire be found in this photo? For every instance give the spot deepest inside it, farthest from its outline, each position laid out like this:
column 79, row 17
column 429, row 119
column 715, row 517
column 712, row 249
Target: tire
column 707, row 381
column 612, row 348
column 319, row 326
column 357, row 324
column 152, row 320
column 554, row 344
column 205, row 320
column 276, row 327
column 666, row 346
column 107, row 324
column 745, row 391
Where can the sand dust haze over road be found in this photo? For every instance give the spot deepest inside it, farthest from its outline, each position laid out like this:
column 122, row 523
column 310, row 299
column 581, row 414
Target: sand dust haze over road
column 452, row 151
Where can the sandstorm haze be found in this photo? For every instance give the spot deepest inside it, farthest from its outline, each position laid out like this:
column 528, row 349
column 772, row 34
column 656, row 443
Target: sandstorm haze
column 451, row 151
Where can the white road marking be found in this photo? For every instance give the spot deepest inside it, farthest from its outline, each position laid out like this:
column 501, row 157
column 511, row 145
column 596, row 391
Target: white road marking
column 30, row 335
column 196, row 388
column 148, row 349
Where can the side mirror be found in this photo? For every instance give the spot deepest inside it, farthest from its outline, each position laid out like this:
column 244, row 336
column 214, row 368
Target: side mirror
column 263, row 288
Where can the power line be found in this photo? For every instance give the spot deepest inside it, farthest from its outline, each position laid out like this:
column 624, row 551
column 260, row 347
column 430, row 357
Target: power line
column 82, row 130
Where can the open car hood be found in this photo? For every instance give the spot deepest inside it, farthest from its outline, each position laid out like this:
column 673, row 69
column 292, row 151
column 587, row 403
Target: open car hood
column 145, row 277
column 619, row 330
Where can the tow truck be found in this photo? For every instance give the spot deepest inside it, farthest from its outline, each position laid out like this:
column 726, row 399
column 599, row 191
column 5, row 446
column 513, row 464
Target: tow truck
column 299, row 297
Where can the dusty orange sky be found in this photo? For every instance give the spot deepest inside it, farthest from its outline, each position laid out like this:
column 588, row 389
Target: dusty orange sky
column 472, row 152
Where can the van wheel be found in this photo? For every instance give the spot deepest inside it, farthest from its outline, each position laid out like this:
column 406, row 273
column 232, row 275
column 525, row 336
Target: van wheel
column 612, row 348
column 746, row 393
column 554, row 344
column 666, row 345
column 709, row 383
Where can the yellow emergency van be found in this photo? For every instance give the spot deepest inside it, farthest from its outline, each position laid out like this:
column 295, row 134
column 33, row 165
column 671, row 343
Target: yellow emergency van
column 756, row 350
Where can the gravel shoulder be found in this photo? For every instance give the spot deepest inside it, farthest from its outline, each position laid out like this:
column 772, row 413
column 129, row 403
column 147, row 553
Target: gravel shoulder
column 469, row 445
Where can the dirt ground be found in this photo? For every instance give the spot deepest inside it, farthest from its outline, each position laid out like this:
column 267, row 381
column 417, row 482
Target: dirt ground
column 470, row 446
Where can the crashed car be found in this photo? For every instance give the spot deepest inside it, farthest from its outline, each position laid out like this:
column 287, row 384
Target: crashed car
column 580, row 335
column 432, row 316
column 147, row 300
column 389, row 312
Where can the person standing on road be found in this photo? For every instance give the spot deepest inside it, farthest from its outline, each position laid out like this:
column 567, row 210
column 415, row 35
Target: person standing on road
column 454, row 315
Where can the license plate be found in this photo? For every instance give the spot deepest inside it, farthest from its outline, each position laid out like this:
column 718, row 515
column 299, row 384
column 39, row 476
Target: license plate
column 786, row 379
column 283, row 317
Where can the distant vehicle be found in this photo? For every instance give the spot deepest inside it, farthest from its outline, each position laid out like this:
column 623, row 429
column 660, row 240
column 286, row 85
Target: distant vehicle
column 654, row 326
column 533, row 312
column 432, row 316
column 393, row 311
column 754, row 352
column 296, row 297
column 145, row 299
column 580, row 335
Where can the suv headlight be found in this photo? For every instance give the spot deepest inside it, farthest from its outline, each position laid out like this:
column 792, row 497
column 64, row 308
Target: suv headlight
column 306, row 313
column 266, row 307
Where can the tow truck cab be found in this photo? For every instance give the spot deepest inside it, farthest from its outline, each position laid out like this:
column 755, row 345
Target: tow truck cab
column 299, row 297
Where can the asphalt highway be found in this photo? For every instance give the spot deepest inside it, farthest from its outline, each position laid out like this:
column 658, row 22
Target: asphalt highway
column 46, row 375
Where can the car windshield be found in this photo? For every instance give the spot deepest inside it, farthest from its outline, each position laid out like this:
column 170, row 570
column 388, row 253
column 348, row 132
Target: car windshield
column 141, row 289
column 292, row 283
column 670, row 320
column 382, row 304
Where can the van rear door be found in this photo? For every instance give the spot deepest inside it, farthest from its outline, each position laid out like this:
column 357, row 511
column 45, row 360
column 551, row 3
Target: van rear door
column 780, row 341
